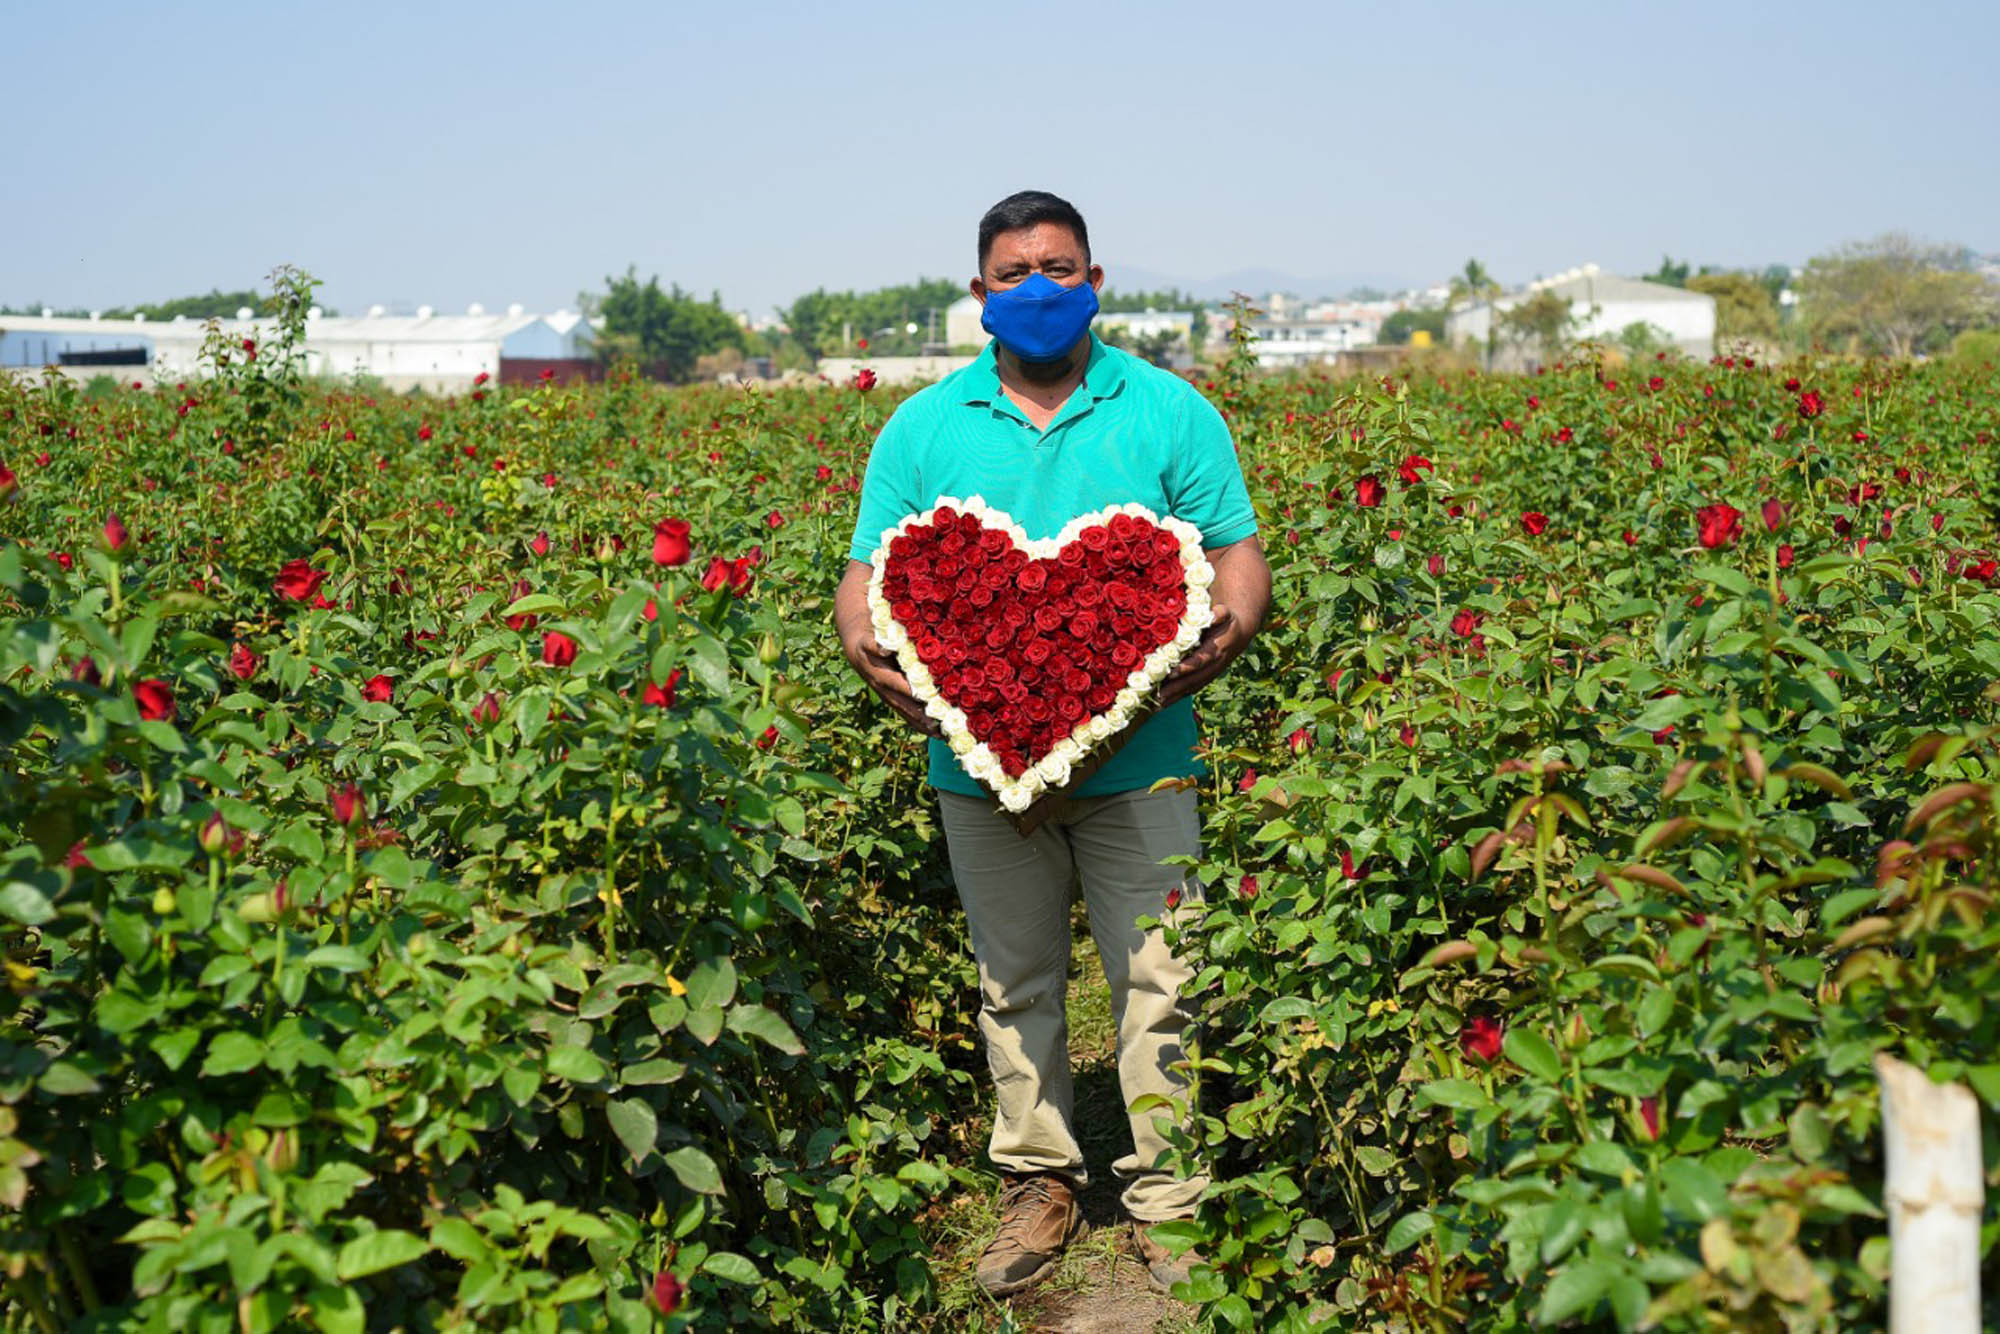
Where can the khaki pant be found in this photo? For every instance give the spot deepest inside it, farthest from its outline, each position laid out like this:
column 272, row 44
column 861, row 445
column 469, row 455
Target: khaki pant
column 1016, row 893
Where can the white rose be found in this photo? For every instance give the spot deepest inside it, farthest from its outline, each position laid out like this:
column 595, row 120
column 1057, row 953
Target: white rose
column 1186, row 638
column 962, row 742
column 1099, row 729
column 1014, row 799
column 1067, row 750
column 1201, row 576
column 1156, row 670
column 1052, row 770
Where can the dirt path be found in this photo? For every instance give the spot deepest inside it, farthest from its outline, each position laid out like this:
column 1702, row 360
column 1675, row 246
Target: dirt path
column 1100, row 1287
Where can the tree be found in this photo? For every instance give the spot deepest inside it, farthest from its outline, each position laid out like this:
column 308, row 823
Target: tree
column 668, row 329
column 1396, row 330
column 1893, row 296
column 1543, row 324
column 1167, row 298
column 1670, row 273
column 832, row 323
column 1640, row 341
column 1474, row 284
column 1744, row 306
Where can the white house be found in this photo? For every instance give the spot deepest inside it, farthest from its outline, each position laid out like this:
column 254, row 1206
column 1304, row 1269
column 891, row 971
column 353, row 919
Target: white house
column 438, row 353
column 1603, row 305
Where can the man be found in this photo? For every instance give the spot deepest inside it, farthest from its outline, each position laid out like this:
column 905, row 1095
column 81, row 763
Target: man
column 1047, row 424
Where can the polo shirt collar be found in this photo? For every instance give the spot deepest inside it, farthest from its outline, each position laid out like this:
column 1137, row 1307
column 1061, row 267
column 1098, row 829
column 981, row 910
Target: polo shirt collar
column 1103, row 376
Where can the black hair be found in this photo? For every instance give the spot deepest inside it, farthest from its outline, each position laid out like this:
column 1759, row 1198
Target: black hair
column 1025, row 208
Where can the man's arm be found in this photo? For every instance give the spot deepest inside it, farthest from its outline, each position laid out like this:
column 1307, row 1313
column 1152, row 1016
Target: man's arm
column 879, row 669
column 1241, row 596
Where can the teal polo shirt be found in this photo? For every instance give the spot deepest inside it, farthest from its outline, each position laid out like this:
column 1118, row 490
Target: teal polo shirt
column 1129, row 432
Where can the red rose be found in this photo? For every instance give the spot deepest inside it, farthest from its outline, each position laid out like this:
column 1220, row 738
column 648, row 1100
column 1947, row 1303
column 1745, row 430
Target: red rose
column 1411, row 469
column 1300, row 741
column 1535, row 522
column 347, row 804
column 156, row 700
column 1480, row 1039
column 662, row 696
column 243, row 663
column 1649, row 1113
column 1719, row 524
column 1773, row 511
column 487, row 711
column 1466, row 623
column 558, row 649
column 864, row 379
column 1368, row 492
column 298, row 581
column 670, row 542
column 1785, row 556
column 379, row 689
column 114, row 533
column 716, row 575
column 667, row 1292
column 1811, row 404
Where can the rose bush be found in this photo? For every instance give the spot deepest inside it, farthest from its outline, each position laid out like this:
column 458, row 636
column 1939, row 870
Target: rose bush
column 429, row 901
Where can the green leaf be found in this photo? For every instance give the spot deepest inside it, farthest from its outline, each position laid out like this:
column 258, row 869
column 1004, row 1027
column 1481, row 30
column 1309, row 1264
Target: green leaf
column 1692, row 1191
column 759, row 1022
column 25, row 903
column 711, row 985
column 232, row 1053
column 1573, row 1290
column 729, row 1265
column 695, row 1170
column 635, row 1124
column 1460, row 1093
column 1533, row 1053
column 1407, row 1232
column 375, row 1251
column 576, row 1064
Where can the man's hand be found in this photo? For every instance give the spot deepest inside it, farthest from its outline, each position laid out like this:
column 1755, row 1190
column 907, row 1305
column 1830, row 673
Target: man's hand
column 1241, row 597
column 878, row 668
column 881, row 670
column 1209, row 658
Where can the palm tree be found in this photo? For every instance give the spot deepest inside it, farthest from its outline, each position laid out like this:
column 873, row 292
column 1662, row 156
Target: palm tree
column 1473, row 284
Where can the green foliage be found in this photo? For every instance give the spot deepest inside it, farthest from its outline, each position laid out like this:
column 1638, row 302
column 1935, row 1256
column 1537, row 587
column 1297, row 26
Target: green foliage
column 1893, row 296
column 667, row 329
column 598, row 986
column 1398, row 327
column 830, row 324
column 1745, row 308
column 1541, row 325
column 1671, row 273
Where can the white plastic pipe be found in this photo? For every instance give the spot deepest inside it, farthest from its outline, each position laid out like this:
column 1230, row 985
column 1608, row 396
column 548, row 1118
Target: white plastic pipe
column 1935, row 1192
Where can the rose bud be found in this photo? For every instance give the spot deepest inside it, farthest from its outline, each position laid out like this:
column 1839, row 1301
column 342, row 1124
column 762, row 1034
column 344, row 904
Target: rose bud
column 347, row 803
column 558, row 649
column 1479, row 1040
column 214, row 835
column 115, row 535
column 667, row 1292
column 670, row 542
column 539, row 544
column 487, row 711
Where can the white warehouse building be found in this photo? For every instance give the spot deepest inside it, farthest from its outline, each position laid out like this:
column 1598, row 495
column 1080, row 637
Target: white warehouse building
column 436, row 353
column 1603, row 305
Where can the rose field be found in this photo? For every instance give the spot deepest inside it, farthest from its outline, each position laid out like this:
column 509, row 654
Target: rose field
column 452, row 878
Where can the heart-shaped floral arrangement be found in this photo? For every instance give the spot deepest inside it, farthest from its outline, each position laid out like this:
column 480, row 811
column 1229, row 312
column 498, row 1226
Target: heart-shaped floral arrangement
column 1032, row 655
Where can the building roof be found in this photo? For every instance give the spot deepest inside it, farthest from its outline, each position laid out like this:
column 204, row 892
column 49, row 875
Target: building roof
column 336, row 328
column 1589, row 283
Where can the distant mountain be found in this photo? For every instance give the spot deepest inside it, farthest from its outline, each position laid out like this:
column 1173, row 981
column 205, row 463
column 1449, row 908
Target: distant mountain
column 1255, row 281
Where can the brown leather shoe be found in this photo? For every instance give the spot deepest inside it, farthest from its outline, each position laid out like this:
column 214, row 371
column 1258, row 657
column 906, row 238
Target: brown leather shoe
column 1038, row 1216
column 1163, row 1268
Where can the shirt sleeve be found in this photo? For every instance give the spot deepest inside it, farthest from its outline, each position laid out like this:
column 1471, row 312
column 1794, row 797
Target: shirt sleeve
column 888, row 490
column 1205, row 482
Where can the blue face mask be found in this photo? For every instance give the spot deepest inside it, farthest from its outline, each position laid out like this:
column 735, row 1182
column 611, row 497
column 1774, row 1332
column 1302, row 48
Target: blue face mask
column 1039, row 319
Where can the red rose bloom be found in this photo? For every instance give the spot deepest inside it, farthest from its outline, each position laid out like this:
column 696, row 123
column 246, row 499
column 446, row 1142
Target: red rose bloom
column 114, row 533
column 347, row 804
column 667, row 1292
column 662, row 696
column 864, row 379
column 1811, row 404
column 243, row 663
column 539, row 544
column 558, row 649
column 670, row 542
column 1718, row 525
column 1535, row 522
column 379, row 689
column 156, row 700
column 1773, row 511
column 298, row 581
column 1480, row 1039
column 1368, row 492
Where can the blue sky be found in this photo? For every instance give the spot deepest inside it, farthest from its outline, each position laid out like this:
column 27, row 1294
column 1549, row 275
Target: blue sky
column 448, row 153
